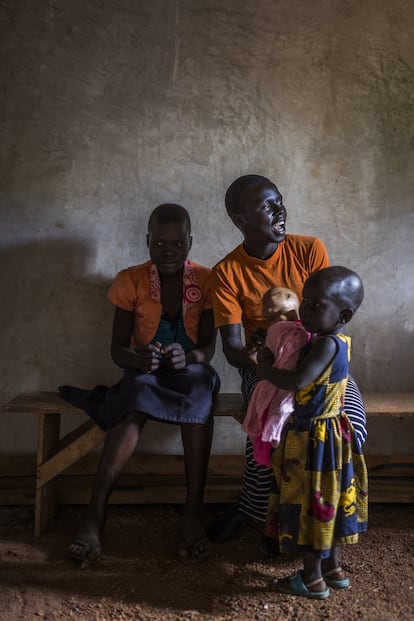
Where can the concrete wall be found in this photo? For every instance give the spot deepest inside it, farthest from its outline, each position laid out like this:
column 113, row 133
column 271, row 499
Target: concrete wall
column 111, row 107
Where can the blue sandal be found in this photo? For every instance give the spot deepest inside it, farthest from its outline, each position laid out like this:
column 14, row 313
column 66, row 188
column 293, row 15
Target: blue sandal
column 336, row 584
column 294, row 585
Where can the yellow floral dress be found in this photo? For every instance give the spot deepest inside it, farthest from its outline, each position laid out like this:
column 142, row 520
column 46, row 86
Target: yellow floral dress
column 320, row 492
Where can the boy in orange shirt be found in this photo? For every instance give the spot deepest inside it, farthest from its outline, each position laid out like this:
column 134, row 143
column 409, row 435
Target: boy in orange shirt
column 267, row 257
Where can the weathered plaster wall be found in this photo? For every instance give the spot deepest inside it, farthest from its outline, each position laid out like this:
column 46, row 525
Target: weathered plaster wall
column 111, row 107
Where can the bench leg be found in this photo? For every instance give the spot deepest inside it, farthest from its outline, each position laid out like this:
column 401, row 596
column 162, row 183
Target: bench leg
column 46, row 494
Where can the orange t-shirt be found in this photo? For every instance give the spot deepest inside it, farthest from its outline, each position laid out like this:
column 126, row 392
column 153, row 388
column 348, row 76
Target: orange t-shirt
column 239, row 281
column 137, row 289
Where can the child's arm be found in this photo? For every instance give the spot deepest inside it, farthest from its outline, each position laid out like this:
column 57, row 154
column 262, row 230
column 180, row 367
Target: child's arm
column 146, row 359
column 311, row 367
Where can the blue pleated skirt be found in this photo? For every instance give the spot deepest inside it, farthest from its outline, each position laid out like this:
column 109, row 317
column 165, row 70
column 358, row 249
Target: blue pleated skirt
column 184, row 396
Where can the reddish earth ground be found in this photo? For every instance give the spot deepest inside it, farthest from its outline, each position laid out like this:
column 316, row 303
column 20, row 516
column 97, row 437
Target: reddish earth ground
column 140, row 578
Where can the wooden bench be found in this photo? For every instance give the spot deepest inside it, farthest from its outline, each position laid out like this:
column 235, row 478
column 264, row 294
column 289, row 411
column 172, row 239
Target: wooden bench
column 158, row 480
column 55, row 454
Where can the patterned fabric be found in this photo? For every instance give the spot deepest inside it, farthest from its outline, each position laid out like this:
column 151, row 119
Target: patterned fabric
column 313, row 508
column 321, row 483
column 191, row 288
column 355, row 410
column 253, row 499
column 324, row 397
column 137, row 289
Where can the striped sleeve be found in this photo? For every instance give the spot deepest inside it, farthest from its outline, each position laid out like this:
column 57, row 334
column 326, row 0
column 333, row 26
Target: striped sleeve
column 354, row 408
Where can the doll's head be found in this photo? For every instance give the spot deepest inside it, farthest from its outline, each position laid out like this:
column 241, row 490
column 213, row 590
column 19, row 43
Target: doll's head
column 280, row 304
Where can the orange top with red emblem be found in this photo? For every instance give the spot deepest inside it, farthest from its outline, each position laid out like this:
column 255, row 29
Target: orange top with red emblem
column 137, row 289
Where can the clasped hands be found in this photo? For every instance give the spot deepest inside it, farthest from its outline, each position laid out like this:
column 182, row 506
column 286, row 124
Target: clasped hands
column 154, row 356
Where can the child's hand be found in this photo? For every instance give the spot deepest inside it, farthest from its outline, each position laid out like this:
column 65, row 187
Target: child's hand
column 148, row 357
column 256, row 341
column 265, row 356
column 174, row 356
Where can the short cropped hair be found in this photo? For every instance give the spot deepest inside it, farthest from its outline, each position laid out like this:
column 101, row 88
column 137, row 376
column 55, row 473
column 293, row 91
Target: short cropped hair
column 236, row 189
column 170, row 212
column 342, row 283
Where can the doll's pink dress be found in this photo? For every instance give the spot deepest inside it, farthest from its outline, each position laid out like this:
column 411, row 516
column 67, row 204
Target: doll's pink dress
column 270, row 406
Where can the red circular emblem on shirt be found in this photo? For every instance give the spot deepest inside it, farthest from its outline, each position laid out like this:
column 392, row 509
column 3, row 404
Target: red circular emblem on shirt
column 193, row 294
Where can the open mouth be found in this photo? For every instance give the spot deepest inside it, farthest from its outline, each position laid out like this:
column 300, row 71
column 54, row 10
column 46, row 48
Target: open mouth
column 279, row 226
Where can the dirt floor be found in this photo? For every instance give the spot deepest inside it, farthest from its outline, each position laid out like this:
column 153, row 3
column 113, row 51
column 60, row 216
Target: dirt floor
column 139, row 577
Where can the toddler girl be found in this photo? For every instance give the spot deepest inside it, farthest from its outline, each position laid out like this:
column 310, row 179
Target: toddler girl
column 321, row 496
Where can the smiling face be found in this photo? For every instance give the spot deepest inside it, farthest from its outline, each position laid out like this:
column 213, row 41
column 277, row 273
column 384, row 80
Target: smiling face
column 169, row 244
column 262, row 216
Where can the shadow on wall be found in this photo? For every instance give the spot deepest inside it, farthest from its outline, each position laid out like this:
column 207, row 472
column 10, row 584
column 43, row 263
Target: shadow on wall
column 57, row 325
column 56, row 317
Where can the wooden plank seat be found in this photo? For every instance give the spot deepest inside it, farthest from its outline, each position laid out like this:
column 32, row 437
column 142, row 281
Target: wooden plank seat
column 56, row 454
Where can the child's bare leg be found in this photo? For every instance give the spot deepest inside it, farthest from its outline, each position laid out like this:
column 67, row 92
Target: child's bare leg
column 312, row 572
column 332, row 562
column 331, row 569
column 197, row 444
column 119, row 445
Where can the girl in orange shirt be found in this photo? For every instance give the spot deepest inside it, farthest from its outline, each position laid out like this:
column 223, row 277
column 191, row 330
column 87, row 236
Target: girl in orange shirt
column 163, row 338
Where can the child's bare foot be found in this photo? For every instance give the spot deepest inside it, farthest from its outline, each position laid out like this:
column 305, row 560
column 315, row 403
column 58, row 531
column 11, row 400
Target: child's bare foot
column 193, row 545
column 336, row 578
column 86, row 547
